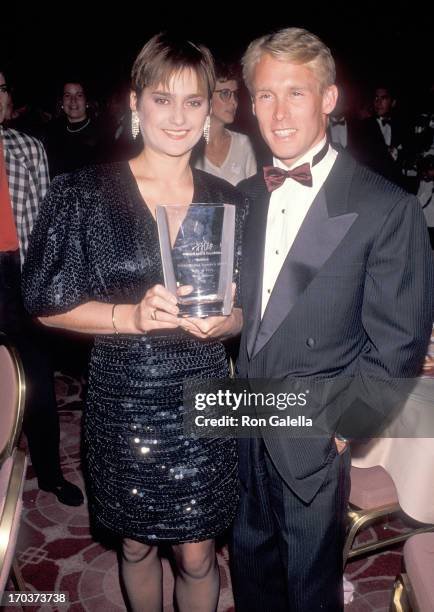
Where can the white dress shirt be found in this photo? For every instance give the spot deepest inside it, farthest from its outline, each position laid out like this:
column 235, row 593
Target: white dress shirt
column 288, row 207
column 425, row 196
column 339, row 133
column 386, row 130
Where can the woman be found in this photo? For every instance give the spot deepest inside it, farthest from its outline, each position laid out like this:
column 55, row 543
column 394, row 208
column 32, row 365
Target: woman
column 227, row 154
column 94, row 266
column 74, row 140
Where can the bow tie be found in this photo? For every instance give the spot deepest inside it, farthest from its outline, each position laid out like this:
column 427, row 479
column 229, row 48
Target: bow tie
column 385, row 121
column 275, row 177
column 337, row 121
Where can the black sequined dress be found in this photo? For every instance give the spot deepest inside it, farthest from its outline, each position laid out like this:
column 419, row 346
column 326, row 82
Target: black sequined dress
column 95, row 239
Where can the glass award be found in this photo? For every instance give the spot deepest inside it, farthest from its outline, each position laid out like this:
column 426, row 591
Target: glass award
column 197, row 253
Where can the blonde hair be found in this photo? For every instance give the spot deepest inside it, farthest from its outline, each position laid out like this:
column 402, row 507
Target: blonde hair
column 164, row 56
column 294, row 45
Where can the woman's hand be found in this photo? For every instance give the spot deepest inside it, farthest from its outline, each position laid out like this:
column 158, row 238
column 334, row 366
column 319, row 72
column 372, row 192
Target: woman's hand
column 219, row 327
column 428, row 364
column 158, row 310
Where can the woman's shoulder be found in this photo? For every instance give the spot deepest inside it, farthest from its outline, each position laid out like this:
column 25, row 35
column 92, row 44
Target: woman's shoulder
column 239, row 137
column 241, row 140
column 86, row 192
column 90, row 178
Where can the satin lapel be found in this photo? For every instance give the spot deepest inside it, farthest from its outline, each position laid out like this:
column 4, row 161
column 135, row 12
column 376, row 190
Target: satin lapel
column 253, row 265
column 319, row 235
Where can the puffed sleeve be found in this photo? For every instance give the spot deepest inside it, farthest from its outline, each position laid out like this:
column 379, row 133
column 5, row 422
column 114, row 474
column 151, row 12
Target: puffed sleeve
column 55, row 272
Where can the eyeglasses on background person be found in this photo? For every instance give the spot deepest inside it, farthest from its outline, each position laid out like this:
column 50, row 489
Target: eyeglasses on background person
column 226, row 94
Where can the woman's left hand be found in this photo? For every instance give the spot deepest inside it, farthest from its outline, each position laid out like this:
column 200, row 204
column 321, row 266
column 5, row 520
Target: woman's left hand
column 218, row 327
column 221, row 326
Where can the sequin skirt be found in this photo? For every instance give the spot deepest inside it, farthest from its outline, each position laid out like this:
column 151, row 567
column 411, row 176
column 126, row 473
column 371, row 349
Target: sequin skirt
column 149, row 480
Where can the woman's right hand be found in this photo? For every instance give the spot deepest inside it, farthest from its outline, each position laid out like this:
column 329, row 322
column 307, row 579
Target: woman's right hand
column 158, row 310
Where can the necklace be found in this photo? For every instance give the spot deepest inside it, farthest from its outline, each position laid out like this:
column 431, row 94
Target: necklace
column 68, row 129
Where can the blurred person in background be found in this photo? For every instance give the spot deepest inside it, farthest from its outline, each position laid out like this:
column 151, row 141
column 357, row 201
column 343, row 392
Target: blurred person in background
column 226, row 154
column 425, row 193
column 23, row 184
column 74, row 140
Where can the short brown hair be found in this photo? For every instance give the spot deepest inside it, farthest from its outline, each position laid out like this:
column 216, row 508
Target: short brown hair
column 294, row 45
column 227, row 71
column 165, row 55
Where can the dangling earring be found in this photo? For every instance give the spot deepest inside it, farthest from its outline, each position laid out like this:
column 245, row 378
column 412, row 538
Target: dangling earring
column 206, row 127
column 135, row 124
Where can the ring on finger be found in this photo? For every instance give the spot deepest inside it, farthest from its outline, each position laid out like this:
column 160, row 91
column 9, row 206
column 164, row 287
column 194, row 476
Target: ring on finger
column 154, row 314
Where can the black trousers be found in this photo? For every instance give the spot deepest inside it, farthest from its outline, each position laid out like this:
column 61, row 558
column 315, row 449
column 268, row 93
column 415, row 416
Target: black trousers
column 286, row 555
column 41, row 420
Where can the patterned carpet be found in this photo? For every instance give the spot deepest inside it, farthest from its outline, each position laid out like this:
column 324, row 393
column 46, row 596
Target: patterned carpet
column 57, row 553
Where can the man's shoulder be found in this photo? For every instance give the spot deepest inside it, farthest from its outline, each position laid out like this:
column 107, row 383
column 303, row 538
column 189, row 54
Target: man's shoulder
column 14, row 138
column 375, row 188
column 369, row 122
column 368, row 192
column 21, row 146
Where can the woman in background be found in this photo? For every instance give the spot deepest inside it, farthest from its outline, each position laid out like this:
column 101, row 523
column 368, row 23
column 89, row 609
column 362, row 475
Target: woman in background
column 227, row 154
column 73, row 140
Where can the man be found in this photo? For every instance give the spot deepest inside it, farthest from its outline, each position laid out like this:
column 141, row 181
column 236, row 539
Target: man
column 381, row 138
column 23, row 183
column 343, row 294
column 343, row 126
column 425, row 192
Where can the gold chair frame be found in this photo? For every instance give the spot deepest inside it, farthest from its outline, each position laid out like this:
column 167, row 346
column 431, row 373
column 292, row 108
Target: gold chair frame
column 8, row 514
column 403, row 599
column 363, row 518
column 18, row 464
column 19, row 408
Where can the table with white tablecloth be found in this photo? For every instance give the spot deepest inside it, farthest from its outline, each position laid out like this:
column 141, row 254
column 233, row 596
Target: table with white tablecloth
column 406, row 450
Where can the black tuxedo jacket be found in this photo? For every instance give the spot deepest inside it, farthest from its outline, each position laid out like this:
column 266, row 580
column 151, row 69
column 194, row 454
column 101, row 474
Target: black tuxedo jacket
column 368, row 147
column 353, row 302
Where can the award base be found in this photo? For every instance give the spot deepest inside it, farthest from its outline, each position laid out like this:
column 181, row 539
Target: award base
column 200, row 307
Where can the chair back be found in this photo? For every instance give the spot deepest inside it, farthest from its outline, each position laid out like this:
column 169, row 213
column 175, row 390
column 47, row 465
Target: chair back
column 12, row 460
column 12, row 397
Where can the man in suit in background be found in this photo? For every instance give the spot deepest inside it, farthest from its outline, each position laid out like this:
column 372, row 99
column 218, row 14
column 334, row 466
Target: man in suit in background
column 336, row 285
column 381, row 138
column 343, row 126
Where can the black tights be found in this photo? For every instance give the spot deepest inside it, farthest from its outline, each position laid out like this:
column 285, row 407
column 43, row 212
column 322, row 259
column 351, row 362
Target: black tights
column 197, row 581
